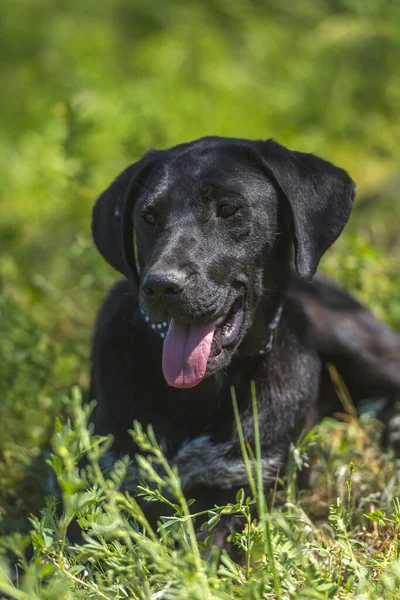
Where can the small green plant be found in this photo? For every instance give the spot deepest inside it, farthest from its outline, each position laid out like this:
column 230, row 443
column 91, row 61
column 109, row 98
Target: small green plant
column 286, row 553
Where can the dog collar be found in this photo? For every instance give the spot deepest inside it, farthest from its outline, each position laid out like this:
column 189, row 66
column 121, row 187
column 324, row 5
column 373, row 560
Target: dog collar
column 161, row 329
column 271, row 331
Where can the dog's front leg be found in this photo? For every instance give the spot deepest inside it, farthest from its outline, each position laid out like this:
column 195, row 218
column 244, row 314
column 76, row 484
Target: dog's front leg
column 212, row 473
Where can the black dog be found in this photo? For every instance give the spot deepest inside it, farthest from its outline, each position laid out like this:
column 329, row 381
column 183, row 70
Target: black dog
column 215, row 238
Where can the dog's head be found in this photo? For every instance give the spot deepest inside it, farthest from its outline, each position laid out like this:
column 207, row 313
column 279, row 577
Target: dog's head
column 206, row 230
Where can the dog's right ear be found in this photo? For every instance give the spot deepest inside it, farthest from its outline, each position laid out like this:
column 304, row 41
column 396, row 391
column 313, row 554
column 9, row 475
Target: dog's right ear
column 112, row 222
column 319, row 199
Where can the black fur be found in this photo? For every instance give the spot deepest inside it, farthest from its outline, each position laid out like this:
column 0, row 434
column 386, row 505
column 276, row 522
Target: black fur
column 290, row 208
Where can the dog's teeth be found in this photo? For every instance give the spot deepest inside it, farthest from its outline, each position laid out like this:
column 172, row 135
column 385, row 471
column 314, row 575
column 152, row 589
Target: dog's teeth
column 147, row 319
column 153, row 326
column 159, row 326
column 165, row 323
column 162, row 334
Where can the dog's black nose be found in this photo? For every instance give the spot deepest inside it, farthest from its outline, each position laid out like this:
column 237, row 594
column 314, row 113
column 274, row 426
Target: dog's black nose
column 170, row 285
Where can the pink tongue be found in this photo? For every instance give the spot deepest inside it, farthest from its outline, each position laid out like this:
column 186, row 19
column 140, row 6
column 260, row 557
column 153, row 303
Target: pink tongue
column 185, row 353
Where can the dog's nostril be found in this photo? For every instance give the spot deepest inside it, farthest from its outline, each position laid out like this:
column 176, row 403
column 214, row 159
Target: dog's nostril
column 172, row 290
column 168, row 285
column 148, row 290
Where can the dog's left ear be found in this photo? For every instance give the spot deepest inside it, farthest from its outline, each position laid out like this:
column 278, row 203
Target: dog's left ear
column 320, row 198
column 112, row 224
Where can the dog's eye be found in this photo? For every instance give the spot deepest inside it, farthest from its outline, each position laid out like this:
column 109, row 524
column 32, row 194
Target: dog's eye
column 227, row 209
column 149, row 218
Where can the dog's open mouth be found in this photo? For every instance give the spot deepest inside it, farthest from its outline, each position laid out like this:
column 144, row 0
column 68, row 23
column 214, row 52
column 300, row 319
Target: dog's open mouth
column 189, row 347
column 227, row 328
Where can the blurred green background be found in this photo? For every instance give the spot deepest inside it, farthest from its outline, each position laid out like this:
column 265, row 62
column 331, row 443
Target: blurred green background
column 88, row 86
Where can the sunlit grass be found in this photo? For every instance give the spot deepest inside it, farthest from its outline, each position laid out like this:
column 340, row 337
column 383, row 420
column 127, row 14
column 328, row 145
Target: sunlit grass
column 338, row 539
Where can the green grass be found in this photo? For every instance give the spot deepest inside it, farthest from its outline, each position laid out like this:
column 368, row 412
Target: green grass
column 339, row 539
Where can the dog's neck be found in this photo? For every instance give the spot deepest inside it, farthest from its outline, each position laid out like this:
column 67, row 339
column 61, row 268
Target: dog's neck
column 259, row 340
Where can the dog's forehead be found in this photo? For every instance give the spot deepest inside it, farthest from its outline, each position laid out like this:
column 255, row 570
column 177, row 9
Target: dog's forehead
column 208, row 165
column 203, row 158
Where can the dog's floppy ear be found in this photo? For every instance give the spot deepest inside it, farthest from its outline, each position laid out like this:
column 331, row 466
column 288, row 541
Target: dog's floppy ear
column 112, row 224
column 320, row 197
